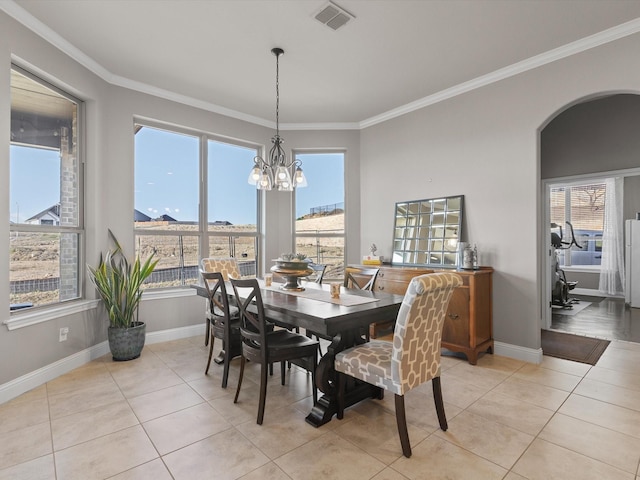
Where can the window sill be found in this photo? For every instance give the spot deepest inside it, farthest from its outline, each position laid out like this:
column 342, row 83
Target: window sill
column 27, row 318
column 172, row 292
column 582, row 268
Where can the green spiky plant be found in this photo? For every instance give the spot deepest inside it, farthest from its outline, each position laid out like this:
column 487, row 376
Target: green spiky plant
column 118, row 282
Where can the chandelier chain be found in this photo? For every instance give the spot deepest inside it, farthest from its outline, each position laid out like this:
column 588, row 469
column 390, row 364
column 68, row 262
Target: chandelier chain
column 278, row 95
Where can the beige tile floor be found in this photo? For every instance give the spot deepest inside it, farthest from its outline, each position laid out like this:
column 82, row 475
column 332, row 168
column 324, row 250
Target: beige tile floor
column 159, row 417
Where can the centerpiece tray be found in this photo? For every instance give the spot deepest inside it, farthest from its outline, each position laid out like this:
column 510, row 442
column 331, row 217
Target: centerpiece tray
column 291, row 271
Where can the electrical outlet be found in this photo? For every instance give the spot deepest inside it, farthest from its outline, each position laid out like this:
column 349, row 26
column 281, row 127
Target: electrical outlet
column 64, row 331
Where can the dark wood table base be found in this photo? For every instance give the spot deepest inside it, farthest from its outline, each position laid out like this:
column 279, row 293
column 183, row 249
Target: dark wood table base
column 326, row 381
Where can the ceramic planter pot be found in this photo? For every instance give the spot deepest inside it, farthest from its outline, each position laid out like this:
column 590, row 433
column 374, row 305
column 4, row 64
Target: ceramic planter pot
column 126, row 343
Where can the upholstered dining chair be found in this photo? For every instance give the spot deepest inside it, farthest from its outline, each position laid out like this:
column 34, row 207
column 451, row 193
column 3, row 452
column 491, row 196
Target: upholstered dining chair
column 413, row 357
column 264, row 347
column 223, row 320
column 228, row 267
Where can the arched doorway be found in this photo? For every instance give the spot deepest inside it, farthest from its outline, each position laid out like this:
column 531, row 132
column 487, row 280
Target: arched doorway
column 587, row 141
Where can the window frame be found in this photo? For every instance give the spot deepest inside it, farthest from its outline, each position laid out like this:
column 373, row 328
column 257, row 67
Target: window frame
column 343, row 235
column 566, row 262
column 202, row 232
column 39, row 313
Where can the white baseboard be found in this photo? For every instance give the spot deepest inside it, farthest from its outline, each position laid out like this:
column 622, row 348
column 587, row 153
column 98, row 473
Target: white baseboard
column 34, row 379
column 530, row 355
column 592, row 292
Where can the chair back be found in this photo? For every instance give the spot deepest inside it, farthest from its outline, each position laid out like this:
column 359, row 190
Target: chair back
column 418, row 332
column 319, row 271
column 228, row 267
column 361, row 278
column 252, row 323
column 217, row 296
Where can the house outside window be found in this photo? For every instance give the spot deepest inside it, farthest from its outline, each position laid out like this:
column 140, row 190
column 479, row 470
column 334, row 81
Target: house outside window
column 192, row 201
column 45, row 221
column 320, row 211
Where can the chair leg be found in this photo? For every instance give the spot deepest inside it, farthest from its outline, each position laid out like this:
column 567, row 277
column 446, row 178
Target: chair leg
column 437, row 398
column 263, row 392
column 282, row 369
column 206, row 334
column 210, row 352
column 340, row 396
column 314, row 388
column 225, row 368
column 401, row 420
column 242, row 360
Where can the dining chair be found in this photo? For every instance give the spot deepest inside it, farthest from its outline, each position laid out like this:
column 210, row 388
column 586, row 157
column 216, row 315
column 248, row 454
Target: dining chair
column 319, row 270
column 413, row 357
column 228, row 267
column 224, row 322
column 361, row 278
column 259, row 345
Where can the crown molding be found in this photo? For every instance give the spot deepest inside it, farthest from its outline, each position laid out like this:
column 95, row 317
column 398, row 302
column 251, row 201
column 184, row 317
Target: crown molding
column 186, row 100
column 587, row 43
column 592, row 41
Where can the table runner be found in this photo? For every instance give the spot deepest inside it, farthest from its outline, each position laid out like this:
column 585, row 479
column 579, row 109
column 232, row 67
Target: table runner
column 345, row 299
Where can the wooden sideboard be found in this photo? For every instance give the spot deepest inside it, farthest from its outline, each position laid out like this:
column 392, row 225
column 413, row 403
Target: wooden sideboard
column 468, row 327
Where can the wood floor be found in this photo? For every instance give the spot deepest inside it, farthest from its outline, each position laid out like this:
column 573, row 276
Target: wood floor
column 608, row 318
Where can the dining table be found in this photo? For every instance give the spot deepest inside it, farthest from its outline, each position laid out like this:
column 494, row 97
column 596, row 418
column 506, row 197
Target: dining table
column 340, row 320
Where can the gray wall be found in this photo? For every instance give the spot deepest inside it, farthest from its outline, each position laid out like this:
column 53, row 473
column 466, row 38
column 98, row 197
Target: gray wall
column 594, row 136
column 485, row 145
column 110, row 112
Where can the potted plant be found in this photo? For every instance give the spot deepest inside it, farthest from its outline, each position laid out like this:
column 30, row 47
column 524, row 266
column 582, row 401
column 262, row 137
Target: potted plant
column 119, row 284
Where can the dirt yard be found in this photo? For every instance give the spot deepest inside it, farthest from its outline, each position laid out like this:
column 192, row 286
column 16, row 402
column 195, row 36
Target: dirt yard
column 35, row 255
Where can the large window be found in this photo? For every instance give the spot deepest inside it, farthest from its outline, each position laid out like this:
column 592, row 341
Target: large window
column 232, row 210
column 583, row 207
column 192, row 200
column 166, row 203
column 45, row 221
column 320, row 212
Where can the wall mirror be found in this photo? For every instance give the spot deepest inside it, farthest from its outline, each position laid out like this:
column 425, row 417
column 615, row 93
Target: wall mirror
column 426, row 232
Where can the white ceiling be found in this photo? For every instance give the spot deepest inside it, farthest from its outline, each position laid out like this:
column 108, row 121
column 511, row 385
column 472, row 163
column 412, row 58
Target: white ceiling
column 395, row 55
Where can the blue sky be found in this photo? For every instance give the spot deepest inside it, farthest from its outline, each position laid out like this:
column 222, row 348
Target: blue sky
column 37, row 171
column 166, row 182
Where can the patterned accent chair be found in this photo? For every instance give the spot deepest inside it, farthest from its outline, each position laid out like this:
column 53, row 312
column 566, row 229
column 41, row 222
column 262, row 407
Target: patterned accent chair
column 228, row 267
column 414, row 356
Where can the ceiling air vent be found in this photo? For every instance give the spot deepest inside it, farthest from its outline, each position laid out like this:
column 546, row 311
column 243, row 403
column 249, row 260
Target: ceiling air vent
column 333, row 16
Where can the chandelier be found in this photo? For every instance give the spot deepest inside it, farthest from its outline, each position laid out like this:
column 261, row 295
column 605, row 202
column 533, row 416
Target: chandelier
column 276, row 172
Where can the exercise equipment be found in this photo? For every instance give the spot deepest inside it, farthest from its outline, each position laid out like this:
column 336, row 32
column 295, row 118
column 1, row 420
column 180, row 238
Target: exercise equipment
column 560, row 287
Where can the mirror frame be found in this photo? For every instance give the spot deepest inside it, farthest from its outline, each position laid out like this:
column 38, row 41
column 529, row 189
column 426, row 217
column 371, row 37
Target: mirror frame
column 427, row 232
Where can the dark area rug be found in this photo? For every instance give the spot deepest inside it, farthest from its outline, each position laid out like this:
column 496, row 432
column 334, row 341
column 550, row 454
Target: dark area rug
column 573, row 347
